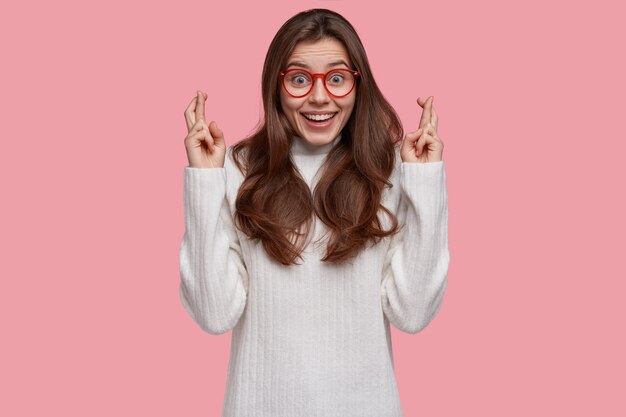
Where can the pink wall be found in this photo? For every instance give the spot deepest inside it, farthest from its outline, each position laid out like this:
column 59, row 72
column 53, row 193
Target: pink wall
column 530, row 98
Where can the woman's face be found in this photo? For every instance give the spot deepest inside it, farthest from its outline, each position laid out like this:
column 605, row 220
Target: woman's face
column 318, row 57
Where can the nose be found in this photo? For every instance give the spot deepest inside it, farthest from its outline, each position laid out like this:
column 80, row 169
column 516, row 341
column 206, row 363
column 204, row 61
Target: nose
column 319, row 93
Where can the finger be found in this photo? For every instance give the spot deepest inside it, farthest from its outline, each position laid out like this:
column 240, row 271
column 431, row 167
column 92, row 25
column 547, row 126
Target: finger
column 200, row 106
column 216, row 132
column 200, row 137
column 421, row 101
column 423, row 140
column 200, row 125
column 426, row 112
column 435, row 136
column 410, row 139
column 435, row 120
column 190, row 115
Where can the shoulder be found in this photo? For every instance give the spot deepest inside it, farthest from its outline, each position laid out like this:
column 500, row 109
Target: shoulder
column 391, row 193
column 234, row 176
column 397, row 165
column 232, row 169
column 394, row 178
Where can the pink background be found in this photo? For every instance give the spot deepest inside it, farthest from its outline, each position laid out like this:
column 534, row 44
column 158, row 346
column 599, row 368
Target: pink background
column 530, row 98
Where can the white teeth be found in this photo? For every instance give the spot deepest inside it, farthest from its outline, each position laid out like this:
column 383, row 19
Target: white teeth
column 319, row 117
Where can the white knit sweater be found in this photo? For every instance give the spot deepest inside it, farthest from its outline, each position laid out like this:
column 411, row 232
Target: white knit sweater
column 313, row 339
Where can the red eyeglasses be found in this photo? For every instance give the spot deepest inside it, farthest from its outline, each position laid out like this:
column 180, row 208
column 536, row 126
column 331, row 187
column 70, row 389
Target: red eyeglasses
column 298, row 82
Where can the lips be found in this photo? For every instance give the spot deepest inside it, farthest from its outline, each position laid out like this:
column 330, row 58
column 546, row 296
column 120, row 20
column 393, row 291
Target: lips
column 319, row 124
column 318, row 114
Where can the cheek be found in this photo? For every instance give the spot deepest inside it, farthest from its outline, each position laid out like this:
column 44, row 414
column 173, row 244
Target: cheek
column 349, row 109
column 348, row 105
column 289, row 104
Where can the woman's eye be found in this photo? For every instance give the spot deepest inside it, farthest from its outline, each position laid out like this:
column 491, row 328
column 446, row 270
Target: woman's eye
column 299, row 79
column 336, row 78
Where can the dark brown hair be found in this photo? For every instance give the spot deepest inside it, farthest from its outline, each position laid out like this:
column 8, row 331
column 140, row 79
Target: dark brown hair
column 274, row 203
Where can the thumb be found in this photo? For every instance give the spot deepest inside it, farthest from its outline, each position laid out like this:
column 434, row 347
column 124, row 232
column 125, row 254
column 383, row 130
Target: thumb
column 216, row 132
column 412, row 137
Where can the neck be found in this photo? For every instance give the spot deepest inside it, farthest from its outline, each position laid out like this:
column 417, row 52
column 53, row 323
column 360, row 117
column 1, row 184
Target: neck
column 300, row 146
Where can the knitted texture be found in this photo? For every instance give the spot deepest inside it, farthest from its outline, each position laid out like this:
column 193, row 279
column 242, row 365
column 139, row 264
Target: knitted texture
column 313, row 339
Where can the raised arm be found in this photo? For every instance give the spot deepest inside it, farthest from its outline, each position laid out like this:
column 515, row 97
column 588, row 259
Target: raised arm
column 416, row 268
column 214, row 279
column 213, row 276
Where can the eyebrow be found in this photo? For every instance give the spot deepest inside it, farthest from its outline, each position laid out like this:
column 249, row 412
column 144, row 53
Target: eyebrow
column 331, row 64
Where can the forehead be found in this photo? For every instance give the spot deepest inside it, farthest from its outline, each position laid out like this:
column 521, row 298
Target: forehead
column 321, row 53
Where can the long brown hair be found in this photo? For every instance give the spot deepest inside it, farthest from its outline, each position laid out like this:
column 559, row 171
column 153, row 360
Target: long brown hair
column 274, row 203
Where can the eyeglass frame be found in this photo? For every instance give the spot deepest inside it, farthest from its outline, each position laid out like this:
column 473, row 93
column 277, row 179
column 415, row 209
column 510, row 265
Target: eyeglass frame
column 282, row 74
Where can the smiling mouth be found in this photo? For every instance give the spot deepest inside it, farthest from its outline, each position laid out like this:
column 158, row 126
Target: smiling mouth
column 318, row 117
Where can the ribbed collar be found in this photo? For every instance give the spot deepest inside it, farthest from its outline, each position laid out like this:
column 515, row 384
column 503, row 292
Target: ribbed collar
column 300, row 146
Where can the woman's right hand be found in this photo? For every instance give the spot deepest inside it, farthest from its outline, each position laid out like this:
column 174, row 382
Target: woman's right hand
column 204, row 143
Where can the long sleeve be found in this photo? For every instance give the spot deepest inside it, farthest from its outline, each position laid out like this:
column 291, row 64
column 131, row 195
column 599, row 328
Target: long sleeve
column 416, row 266
column 213, row 277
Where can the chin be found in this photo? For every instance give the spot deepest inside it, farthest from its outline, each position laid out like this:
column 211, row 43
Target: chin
column 318, row 138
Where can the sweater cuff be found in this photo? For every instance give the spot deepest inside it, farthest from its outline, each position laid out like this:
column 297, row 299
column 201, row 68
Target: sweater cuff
column 205, row 181
column 422, row 177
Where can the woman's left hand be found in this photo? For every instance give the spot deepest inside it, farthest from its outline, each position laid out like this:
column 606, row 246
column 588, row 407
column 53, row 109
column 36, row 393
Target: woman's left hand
column 423, row 144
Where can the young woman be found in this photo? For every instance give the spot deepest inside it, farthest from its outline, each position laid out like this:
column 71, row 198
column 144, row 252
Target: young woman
column 311, row 236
